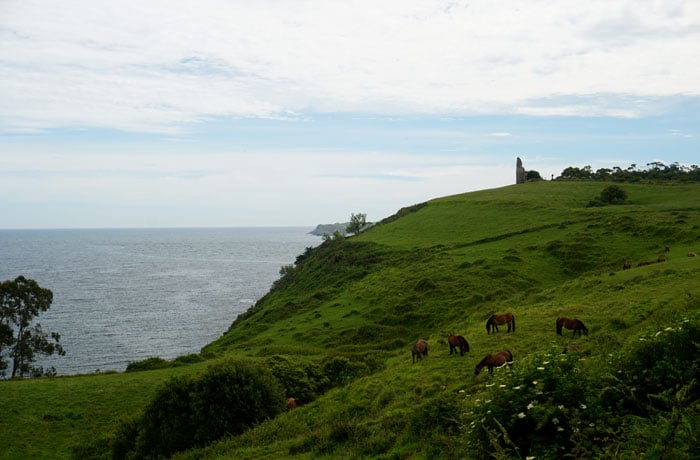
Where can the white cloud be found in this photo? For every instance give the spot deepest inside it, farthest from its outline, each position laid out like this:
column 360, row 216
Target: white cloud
column 158, row 66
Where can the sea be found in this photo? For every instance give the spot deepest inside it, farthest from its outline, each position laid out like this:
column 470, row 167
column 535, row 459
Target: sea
column 124, row 295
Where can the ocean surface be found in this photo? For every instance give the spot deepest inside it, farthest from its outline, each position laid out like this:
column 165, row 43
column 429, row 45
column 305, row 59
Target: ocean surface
column 126, row 295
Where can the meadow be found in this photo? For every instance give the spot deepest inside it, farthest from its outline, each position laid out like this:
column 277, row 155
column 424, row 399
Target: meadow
column 338, row 325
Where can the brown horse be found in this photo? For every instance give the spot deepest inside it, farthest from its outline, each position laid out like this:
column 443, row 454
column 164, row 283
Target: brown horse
column 457, row 341
column 571, row 323
column 499, row 359
column 499, row 320
column 419, row 349
column 627, row 265
column 293, row 403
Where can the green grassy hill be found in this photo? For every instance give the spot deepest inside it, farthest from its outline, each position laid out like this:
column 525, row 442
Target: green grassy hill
column 341, row 322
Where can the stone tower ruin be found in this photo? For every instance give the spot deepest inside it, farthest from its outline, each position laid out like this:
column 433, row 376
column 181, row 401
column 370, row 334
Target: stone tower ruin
column 520, row 175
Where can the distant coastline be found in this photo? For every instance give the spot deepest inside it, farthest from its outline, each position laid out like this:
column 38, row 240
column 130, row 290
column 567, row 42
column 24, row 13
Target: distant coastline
column 329, row 229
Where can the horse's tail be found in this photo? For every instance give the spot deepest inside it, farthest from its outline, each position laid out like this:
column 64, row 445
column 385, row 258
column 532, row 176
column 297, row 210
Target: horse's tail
column 488, row 324
column 513, row 322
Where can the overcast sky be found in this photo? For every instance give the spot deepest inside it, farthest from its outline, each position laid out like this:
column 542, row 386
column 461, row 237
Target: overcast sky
column 256, row 113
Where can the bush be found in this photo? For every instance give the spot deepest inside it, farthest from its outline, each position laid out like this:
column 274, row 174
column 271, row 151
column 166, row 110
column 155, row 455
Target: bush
column 645, row 400
column 610, row 195
column 148, row 364
column 191, row 412
column 544, row 408
column 665, row 360
column 300, row 380
column 232, row 396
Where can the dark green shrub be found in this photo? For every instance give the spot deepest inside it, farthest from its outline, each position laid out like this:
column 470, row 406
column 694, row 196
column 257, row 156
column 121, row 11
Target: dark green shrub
column 191, row 412
column 300, row 380
column 148, row 364
column 189, row 359
column 666, row 360
column 231, row 397
column 123, row 444
column 167, row 424
column 340, row 370
column 613, row 195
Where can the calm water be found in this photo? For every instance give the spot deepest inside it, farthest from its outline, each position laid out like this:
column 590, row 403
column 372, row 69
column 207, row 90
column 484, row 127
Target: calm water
column 126, row 295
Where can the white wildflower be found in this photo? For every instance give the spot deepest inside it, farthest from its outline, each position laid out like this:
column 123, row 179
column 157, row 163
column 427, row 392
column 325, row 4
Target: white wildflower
column 488, row 385
column 583, row 406
column 501, row 386
column 531, row 405
column 545, row 363
column 516, row 388
column 560, row 428
column 540, row 368
column 534, row 382
column 555, row 421
column 592, row 425
column 658, row 333
column 521, row 415
column 668, row 329
column 561, row 407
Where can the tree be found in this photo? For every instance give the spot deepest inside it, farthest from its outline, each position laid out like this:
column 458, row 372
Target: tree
column 532, row 175
column 21, row 300
column 357, row 223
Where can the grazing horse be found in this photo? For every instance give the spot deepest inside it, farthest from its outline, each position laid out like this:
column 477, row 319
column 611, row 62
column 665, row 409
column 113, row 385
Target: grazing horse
column 499, row 359
column 499, row 320
column 627, row 265
column 292, row 403
column 571, row 323
column 419, row 349
column 457, row 341
column 643, row 263
column 691, row 254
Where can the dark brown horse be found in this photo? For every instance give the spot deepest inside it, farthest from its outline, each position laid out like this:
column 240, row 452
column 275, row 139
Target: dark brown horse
column 457, row 341
column 419, row 349
column 571, row 323
column 499, row 359
column 627, row 265
column 499, row 320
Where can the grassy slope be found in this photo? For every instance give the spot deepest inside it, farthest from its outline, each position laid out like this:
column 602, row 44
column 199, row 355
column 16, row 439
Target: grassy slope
column 532, row 249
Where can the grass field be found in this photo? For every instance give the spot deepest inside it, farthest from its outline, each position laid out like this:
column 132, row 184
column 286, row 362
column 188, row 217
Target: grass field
column 535, row 250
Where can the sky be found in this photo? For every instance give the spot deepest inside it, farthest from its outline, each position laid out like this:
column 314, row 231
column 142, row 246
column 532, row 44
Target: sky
column 215, row 113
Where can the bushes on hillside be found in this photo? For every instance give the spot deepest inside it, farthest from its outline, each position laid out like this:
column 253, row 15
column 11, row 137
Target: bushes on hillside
column 301, row 380
column 191, row 412
column 645, row 401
